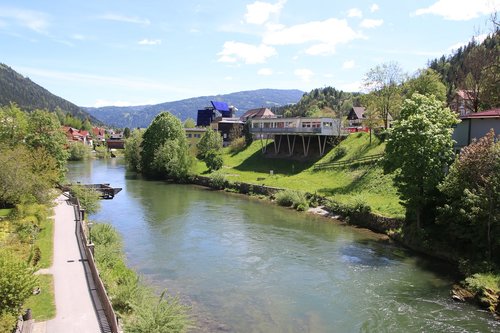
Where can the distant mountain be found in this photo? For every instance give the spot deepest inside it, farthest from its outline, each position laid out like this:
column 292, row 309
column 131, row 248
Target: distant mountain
column 30, row 96
column 141, row 116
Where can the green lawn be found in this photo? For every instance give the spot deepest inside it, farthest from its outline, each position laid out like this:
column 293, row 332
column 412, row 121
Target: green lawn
column 5, row 212
column 43, row 305
column 367, row 183
column 45, row 241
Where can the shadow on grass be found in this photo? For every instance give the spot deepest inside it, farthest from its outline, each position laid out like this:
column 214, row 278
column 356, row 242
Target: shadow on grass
column 356, row 185
column 281, row 164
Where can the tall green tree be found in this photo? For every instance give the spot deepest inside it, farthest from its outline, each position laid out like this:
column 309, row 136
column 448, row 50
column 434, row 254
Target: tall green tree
column 44, row 131
column 471, row 214
column 13, row 125
column 211, row 140
column 384, row 84
column 419, row 150
column 426, row 82
column 158, row 158
column 133, row 150
column 189, row 123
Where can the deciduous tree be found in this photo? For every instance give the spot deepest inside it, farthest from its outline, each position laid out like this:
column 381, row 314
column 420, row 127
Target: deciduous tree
column 419, row 150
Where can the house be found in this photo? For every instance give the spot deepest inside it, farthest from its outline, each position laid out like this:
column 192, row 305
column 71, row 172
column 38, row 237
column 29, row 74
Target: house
column 99, row 135
column 462, row 102
column 257, row 114
column 356, row 118
column 193, row 135
column 225, row 125
column 76, row 135
column 115, row 141
column 475, row 126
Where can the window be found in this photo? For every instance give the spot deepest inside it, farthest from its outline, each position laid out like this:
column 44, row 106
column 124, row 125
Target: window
column 189, row 135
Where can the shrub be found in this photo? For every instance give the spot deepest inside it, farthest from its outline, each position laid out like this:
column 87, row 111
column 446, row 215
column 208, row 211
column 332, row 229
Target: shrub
column 291, row 198
column 16, row 283
column 237, row 145
column 213, row 160
column 89, row 198
column 338, row 153
column 78, row 151
column 218, row 180
column 7, row 322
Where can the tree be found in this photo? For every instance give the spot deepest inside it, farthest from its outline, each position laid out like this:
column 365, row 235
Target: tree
column 211, row 140
column 383, row 82
column 214, row 160
column 164, row 147
column 78, row 151
column 44, row 131
column 189, row 123
column 419, row 149
column 371, row 120
column 88, row 197
column 426, row 82
column 13, row 125
column 235, row 132
column 133, row 150
column 247, row 133
column 471, row 213
column 126, row 133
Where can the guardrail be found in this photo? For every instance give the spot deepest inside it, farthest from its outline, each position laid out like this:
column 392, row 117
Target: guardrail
column 88, row 247
column 336, row 164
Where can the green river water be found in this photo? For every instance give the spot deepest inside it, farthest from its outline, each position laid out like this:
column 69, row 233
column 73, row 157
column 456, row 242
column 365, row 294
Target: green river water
column 248, row 266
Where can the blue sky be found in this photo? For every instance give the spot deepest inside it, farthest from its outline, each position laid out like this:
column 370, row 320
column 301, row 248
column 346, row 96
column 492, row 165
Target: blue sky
column 97, row 53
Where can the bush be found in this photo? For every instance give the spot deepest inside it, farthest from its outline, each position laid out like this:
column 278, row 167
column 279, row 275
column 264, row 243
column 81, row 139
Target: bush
column 290, row 198
column 89, row 198
column 218, row 180
column 16, row 283
column 213, row 160
column 78, row 151
column 338, row 153
column 356, row 206
column 237, row 145
column 7, row 322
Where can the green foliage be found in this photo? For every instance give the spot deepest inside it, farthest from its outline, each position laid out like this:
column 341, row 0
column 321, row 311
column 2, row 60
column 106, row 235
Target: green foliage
column 26, row 175
column 213, row 160
column 133, row 150
column 211, row 140
column 140, row 310
column 218, row 180
column 356, row 205
column 292, row 198
column 13, row 125
column 247, row 134
column 237, row 145
column 189, row 123
column 426, row 82
column 163, row 317
column 418, row 150
column 471, row 212
column 89, row 198
column 8, row 322
column 338, row 153
column 16, row 283
column 78, row 151
column 164, row 148
column 44, row 131
column 126, row 133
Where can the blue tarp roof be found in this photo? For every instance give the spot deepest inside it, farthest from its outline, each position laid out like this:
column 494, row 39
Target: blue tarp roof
column 220, row 106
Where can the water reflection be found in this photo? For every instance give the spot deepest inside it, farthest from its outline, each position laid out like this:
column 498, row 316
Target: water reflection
column 252, row 267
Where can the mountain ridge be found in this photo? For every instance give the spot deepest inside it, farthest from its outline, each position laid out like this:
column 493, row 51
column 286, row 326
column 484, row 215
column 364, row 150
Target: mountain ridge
column 142, row 115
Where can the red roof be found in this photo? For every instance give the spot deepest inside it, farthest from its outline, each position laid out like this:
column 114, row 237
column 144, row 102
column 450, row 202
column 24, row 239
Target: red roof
column 493, row 113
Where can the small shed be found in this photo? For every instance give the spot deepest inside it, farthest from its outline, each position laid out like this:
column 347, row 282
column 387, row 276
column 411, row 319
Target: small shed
column 475, row 126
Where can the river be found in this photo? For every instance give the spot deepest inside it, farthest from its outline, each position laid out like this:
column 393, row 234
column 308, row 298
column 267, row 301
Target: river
column 248, row 266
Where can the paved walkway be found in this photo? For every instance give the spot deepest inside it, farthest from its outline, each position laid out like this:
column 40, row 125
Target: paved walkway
column 73, row 285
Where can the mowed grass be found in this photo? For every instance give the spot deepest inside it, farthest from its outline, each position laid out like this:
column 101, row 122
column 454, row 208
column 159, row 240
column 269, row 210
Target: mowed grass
column 367, row 183
column 42, row 305
column 45, row 241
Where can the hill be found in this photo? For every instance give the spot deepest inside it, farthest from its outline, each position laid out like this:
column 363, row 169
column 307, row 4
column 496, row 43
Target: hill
column 30, row 96
column 141, row 116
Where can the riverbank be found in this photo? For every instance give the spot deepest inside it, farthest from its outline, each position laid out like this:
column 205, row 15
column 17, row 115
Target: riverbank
column 478, row 290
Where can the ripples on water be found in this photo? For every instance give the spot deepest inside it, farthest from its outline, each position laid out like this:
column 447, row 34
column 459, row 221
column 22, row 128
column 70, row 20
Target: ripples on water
column 245, row 266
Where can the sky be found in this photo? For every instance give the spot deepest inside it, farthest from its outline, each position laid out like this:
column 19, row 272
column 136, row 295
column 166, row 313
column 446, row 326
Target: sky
column 97, row 53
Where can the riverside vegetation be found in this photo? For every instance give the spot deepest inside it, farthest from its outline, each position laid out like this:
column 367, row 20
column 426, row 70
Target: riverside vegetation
column 408, row 183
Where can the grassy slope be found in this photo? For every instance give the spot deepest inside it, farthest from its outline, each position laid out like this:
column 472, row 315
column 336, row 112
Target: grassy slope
column 45, row 241
column 366, row 183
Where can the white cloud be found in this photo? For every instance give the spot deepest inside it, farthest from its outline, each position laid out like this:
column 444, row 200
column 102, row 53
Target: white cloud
column 374, row 8
column 124, row 18
column 259, row 12
column 320, row 32
column 371, row 23
column 149, row 42
column 265, row 71
column 460, row 10
column 304, row 74
column 348, row 64
column 33, row 20
column 349, row 86
column 354, row 12
column 248, row 53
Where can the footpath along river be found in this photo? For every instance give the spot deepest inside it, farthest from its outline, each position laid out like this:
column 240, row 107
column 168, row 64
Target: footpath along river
column 247, row 266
